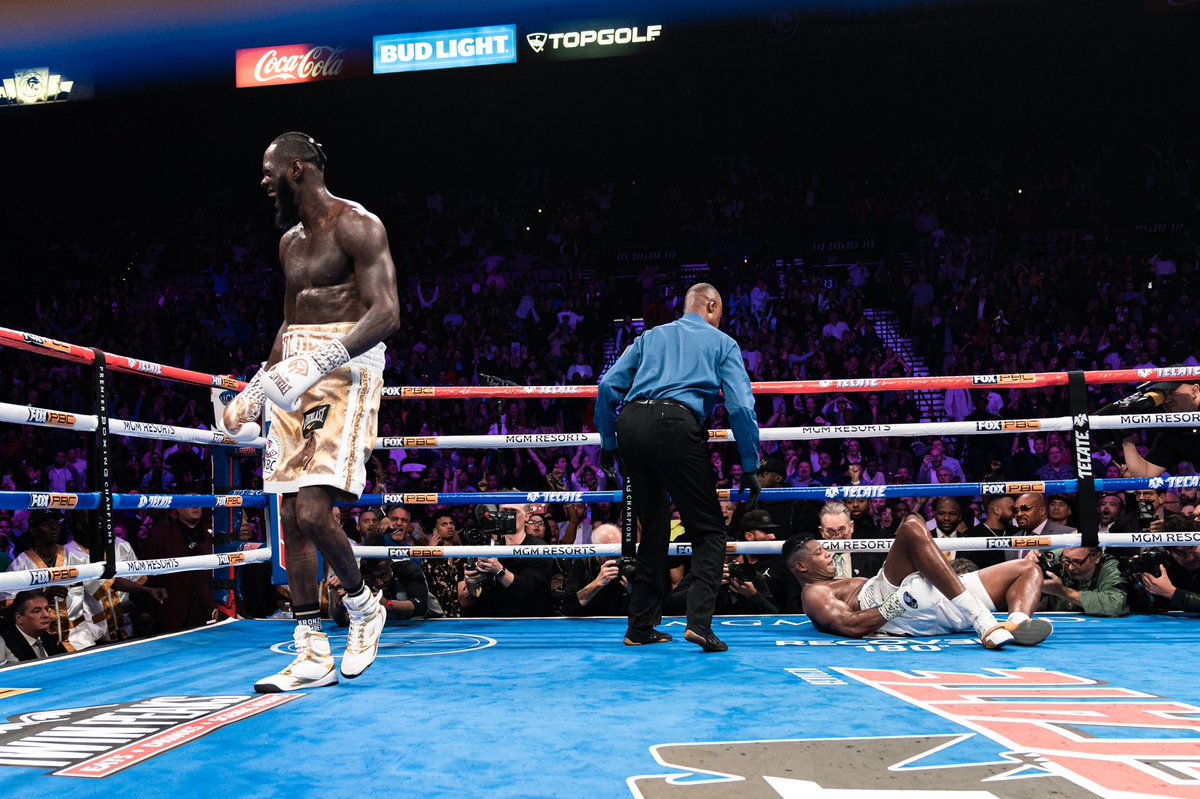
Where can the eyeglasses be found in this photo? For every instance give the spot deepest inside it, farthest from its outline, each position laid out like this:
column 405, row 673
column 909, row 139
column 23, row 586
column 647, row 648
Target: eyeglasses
column 1024, row 508
column 535, row 523
column 1077, row 562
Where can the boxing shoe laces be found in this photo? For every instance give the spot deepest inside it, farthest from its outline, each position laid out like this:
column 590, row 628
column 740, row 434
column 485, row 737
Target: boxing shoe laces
column 312, row 668
column 366, row 625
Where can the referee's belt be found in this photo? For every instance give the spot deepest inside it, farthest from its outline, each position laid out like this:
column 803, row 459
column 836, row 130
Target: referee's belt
column 670, row 402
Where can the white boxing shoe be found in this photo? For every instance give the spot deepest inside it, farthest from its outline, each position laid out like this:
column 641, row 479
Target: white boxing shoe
column 366, row 625
column 312, row 668
column 1030, row 632
column 992, row 634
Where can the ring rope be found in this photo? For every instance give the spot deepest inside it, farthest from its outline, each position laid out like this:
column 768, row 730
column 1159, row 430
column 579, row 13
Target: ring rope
column 62, row 350
column 28, row 500
column 17, row 580
column 906, row 429
column 88, row 423
column 37, row 578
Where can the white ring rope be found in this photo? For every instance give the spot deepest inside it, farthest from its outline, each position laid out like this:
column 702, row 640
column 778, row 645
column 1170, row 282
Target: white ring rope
column 37, row 578
column 44, row 417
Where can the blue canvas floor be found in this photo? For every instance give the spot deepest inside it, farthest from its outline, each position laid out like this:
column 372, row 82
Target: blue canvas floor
column 560, row 708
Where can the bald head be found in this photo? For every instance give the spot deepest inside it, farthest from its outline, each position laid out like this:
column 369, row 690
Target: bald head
column 705, row 300
column 606, row 534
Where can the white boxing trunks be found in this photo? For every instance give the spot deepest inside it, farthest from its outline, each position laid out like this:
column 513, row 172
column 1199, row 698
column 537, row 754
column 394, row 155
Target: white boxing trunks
column 328, row 439
column 940, row 619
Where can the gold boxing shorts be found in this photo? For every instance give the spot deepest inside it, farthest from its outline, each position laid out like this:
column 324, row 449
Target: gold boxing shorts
column 328, row 440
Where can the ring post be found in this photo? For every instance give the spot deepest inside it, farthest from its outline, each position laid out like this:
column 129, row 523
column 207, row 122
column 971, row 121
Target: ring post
column 104, row 536
column 1089, row 521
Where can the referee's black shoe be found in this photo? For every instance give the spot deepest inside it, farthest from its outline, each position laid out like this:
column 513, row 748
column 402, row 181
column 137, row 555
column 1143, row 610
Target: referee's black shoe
column 641, row 637
column 706, row 639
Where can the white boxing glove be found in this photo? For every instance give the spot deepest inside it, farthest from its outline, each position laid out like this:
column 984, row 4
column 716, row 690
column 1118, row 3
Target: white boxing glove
column 914, row 593
column 239, row 419
column 287, row 380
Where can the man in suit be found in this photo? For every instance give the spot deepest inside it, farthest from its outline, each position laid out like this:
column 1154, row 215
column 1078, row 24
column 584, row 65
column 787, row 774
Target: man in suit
column 1032, row 518
column 28, row 637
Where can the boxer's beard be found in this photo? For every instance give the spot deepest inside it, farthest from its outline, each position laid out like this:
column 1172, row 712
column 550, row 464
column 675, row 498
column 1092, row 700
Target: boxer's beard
column 286, row 208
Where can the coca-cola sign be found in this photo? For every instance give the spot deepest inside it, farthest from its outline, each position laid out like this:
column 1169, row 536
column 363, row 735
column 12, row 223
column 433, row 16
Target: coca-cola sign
column 292, row 63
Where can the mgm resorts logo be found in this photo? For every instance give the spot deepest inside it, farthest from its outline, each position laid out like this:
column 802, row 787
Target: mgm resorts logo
column 605, row 37
column 32, row 86
column 102, row 740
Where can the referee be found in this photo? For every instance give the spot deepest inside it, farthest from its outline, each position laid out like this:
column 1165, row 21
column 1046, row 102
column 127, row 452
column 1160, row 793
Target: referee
column 670, row 379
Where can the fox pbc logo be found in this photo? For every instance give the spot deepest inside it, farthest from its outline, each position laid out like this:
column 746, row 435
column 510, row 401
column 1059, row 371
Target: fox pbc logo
column 231, row 558
column 102, row 740
column 1033, row 487
column 45, row 343
column 42, row 416
column 415, row 552
column 417, row 391
column 227, row 383
column 410, row 499
column 230, row 501
column 46, row 577
column 419, row 441
column 1018, row 543
column 1004, row 380
column 1009, row 425
column 718, row 435
column 53, row 501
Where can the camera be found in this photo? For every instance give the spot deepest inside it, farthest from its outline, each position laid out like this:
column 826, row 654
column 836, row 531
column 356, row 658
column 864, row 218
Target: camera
column 1147, row 562
column 742, row 572
column 1146, row 513
column 495, row 522
column 1057, row 568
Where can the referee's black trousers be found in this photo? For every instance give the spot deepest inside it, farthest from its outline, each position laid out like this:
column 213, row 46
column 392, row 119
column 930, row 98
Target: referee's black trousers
column 664, row 450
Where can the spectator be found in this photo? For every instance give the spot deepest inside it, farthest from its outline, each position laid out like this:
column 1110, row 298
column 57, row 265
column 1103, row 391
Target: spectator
column 1113, row 518
column 28, row 637
column 443, row 574
column 836, row 525
column 189, row 594
column 756, row 525
column 937, row 459
column 1057, row 467
column 1029, row 510
column 998, row 523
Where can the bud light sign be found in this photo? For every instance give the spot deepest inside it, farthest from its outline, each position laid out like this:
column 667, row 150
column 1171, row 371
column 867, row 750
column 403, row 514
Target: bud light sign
column 466, row 47
column 291, row 63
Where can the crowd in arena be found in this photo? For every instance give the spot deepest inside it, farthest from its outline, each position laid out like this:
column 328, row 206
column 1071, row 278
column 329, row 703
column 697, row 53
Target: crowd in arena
column 977, row 256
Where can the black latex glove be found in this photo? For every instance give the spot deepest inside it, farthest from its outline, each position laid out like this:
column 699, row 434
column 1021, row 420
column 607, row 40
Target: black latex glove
column 608, row 465
column 750, row 481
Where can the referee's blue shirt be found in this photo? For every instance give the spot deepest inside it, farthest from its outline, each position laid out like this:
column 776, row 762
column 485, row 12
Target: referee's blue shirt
column 688, row 361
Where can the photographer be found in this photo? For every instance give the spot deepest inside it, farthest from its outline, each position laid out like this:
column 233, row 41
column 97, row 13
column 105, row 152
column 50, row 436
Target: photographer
column 1082, row 578
column 405, row 595
column 509, row 586
column 743, row 591
column 595, row 586
column 1172, row 445
column 1167, row 579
